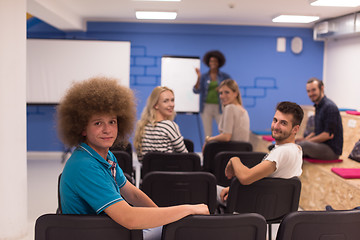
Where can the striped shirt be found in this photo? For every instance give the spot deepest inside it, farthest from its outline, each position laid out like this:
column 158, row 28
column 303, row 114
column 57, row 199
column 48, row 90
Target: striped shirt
column 165, row 136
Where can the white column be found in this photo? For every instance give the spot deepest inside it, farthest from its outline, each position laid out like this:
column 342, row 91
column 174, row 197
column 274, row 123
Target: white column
column 13, row 171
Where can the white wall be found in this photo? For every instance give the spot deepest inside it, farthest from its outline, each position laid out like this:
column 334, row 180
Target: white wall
column 13, row 177
column 342, row 71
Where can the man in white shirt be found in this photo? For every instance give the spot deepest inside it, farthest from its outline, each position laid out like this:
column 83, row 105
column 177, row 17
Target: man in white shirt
column 283, row 161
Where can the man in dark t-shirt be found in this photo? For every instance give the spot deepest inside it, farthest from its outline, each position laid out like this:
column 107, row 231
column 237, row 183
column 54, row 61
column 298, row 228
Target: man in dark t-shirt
column 326, row 142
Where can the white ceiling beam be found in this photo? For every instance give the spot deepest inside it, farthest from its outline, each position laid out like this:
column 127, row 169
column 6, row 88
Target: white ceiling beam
column 55, row 15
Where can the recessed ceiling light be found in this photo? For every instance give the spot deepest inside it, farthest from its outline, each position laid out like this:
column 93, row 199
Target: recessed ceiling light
column 155, row 15
column 295, row 19
column 336, row 3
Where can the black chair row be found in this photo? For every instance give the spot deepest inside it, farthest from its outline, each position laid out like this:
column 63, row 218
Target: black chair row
column 273, row 198
column 125, row 159
column 216, row 155
column 249, row 226
column 188, row 162
column 309, row 225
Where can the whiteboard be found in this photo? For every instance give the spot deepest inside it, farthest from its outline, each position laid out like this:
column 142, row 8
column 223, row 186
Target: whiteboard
column 178, row 73
column 53, row 65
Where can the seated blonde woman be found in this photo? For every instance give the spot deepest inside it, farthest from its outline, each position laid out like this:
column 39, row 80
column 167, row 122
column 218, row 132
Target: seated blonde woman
column 234, row 123
column 156, row 131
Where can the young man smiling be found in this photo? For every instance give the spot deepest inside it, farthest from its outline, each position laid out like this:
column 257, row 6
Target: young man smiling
column 283, row 161
column 326, row 142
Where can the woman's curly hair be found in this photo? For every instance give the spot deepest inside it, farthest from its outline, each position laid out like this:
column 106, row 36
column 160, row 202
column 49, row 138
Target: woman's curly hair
column 216, row 54
column 98, row 95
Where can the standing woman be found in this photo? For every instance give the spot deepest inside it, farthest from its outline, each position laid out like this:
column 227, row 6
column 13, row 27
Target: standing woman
column 207, row 85
column 156, row 131
column 234, row 123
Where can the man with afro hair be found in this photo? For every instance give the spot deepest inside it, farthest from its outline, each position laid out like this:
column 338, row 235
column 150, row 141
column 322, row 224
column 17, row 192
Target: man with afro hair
column 93, row 115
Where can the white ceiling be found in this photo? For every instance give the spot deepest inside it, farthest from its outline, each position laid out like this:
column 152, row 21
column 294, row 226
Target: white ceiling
column 73, row 14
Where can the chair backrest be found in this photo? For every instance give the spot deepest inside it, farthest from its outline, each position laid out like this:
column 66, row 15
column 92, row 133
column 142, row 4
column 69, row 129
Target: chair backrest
column 320, row 225
column 120, row 147
column 250, row 226
column 174, row 188
column 177, row 162
column 82, row 227
column 125, row 161
column 271, row 197
column 189, row 145
column 214, row 147
column 59, row 209
column 249, row 159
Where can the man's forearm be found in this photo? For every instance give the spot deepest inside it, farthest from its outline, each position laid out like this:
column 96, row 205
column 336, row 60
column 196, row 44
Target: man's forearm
column 322, row 137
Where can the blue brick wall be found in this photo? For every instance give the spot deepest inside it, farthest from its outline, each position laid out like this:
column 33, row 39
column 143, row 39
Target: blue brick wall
column 145, row 70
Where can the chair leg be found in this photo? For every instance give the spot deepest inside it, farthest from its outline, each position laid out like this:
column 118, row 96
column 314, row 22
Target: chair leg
column 270, row 232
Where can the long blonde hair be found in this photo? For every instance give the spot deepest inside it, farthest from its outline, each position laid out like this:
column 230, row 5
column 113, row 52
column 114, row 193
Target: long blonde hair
column 149, row 115
column 233, row 86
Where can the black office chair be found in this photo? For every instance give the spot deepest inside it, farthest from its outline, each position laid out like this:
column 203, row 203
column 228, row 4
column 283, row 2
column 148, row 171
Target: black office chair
column 177, row 162
column 273, row 198
column 249, row 159
column 174, row 188
column 320, row 225
column 125, row 161
column 189, row 145
column 59, row 209
column 82, row 227
column 250, row 226
column 125, row 148
column 214, row 147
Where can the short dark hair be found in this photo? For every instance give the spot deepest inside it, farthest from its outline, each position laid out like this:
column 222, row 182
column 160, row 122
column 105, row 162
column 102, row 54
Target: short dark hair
column 314, row 79
column 216, row 54
column 291, row 108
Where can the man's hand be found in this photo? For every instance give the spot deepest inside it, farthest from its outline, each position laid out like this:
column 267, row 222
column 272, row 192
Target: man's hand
column 224, row 194
column 200, row 209
column 229, row 170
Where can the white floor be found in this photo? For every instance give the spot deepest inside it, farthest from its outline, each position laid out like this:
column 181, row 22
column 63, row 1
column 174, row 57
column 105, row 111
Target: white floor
column 42, row 190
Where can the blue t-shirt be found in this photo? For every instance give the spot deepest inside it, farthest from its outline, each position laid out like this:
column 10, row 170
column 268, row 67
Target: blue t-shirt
column 87, row 185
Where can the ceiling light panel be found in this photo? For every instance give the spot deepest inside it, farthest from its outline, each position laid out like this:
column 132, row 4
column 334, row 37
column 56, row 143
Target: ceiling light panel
column 336, row 3
column 157, row 0
column 295, row 19
column 151, row 15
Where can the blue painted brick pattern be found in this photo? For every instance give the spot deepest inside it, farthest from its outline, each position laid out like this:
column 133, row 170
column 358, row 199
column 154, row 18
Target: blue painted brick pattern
column 265, row 82
column 261, row 85
column 255, row 92
column 144, row 70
